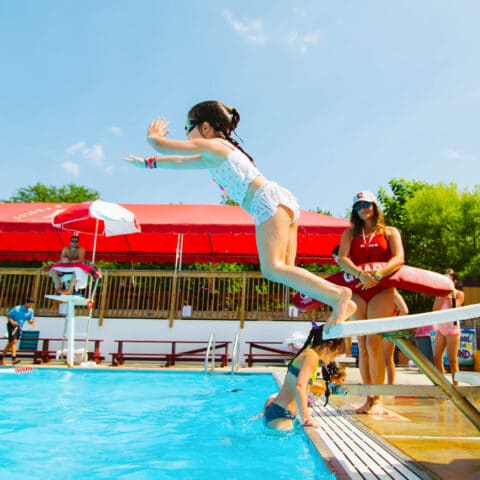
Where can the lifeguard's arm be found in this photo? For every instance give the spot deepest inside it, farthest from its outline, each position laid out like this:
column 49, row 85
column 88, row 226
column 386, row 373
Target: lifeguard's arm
column 309, row 367
column 396, row 248
column 63, row 255
column 344, row 260
column 400, row 303
column 81, row 256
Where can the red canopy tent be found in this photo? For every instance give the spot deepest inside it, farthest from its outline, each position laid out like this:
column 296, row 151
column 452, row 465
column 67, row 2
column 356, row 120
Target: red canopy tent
column 212, row 233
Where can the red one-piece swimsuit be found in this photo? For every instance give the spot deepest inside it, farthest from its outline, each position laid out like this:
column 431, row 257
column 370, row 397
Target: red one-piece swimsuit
column 371, row 249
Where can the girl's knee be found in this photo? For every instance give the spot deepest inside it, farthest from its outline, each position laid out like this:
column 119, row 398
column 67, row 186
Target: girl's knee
column 271, row 272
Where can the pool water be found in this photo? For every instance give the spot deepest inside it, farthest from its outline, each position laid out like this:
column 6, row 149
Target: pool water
column 136, row 425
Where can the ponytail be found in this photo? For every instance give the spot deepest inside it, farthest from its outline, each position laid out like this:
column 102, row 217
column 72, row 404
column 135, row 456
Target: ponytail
column 222, row 118
column 315, row 339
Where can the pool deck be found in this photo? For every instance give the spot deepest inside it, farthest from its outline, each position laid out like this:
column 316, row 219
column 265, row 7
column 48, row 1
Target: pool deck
column 429, row 433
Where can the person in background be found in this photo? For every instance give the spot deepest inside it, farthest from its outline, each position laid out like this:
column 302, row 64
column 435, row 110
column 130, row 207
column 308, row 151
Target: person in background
column 401, row 308
column 292, row 400
column 370, row 241
column 423, row 340
column 72, row 254
column 16, row 319
column 210, row 145
column 448, row 334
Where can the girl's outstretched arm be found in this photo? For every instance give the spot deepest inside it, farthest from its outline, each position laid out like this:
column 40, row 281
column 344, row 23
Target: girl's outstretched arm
column 192, row 162
column 211, row 152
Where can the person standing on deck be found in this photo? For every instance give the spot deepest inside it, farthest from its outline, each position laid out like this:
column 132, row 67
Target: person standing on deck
column 368, row 241
column 16, row 319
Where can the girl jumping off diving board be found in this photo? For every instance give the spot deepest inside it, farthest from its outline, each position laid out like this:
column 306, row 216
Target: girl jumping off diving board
column 274, row 209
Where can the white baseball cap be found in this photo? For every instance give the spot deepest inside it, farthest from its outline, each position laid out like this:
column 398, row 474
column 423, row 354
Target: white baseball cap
column 297, row 340
column 365, row 196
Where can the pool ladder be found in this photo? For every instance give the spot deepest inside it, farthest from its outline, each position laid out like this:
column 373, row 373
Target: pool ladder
column 210, row 353
column 236, row 354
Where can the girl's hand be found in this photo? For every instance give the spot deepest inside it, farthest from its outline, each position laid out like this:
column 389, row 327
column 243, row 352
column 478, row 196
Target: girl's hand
column 134, row 160
column 158, row 128
column 311, row 423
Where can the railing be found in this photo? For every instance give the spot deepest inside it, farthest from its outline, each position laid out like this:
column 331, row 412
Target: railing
column 240, row 296
column 236, row 353
column 210, row 352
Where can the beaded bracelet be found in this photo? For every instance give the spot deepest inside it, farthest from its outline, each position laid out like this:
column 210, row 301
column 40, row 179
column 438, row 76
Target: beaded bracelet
column 150, row 162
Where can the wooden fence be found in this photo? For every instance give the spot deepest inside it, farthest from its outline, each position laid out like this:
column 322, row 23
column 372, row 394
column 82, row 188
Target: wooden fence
column 240, row 296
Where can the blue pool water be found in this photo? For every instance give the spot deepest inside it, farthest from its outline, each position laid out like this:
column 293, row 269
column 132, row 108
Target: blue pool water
column 139, row 425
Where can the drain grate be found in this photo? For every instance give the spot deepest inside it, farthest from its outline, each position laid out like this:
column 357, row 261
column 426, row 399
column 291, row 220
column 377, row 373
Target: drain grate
column 361, row 455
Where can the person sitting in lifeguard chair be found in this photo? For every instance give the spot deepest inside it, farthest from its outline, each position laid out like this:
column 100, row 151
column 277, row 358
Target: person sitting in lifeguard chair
column 73, row 254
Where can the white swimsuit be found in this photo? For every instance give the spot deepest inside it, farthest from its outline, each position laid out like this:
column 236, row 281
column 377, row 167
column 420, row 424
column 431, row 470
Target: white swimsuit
column 235, row 174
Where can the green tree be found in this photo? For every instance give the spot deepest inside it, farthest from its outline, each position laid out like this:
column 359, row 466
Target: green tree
column 394, row 209
column 447, row 224
column 39, row 192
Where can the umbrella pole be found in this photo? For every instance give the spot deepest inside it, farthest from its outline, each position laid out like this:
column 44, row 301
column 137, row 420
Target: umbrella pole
column 93, row 256
column 95, row 242
column 179, row 253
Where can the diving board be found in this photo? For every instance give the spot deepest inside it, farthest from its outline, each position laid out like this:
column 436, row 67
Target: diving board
column 400, row 328
column 358, row 328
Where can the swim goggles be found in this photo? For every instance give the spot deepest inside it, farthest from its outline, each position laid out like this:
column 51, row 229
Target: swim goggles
column 190, row 125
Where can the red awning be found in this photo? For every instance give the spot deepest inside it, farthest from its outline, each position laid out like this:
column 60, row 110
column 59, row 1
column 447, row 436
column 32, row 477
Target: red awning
column 212, row 233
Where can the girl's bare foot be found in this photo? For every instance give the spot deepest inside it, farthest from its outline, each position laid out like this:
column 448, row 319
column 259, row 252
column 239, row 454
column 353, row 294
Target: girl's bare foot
column 344, row 307
column 347, row 306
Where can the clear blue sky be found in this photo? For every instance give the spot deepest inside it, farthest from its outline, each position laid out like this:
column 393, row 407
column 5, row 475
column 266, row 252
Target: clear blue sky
column 334, row 97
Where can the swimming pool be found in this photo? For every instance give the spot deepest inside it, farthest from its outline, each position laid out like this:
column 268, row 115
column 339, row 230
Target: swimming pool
column 76, row 424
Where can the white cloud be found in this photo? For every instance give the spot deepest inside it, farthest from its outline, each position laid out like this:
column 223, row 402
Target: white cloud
column 95, row 154
column 116, row 131
column 109, row 169
column 251, row 29
column 72, row 168
column 75, row 148
column 302, row 41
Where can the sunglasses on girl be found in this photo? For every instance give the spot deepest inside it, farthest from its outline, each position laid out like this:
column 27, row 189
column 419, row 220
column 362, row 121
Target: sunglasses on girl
column 190, row 125
column 361, row 205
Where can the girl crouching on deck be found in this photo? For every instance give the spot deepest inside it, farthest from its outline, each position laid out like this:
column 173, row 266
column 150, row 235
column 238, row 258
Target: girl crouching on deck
column 292, row 400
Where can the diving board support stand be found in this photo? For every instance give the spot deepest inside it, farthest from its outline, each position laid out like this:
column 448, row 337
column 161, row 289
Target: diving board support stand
column 72, row 301
column 398, row 329
column 462, row 403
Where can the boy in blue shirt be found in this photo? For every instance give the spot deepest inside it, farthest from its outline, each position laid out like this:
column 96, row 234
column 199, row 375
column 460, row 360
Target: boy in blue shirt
column 16, row 318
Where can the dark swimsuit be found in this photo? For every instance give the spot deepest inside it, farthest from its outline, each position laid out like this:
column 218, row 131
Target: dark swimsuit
column 275, row 411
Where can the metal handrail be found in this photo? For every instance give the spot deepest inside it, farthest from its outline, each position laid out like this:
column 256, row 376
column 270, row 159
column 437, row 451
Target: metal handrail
column 236, row 353
column 210, row 349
